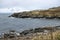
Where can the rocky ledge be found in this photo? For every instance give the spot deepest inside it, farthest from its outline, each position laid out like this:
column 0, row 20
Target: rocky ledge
column 49, row 13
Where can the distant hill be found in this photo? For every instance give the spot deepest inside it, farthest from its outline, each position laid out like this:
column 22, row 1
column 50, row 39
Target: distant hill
column 49, row 13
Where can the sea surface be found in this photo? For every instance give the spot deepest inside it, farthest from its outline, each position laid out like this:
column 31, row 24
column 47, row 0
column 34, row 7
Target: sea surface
column 20, row 24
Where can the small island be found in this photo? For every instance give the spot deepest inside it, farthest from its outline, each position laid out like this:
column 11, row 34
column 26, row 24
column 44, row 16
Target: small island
column 50, row 13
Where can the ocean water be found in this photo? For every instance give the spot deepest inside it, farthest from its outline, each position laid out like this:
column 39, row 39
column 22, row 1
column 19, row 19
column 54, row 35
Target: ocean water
column 20, row 24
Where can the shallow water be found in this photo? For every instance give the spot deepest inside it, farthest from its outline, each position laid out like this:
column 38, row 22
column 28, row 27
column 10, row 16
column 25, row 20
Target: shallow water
column 19, row 24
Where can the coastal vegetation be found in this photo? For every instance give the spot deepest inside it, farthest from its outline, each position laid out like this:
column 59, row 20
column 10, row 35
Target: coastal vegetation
column 58, row 37
column 48, row 13
column 45, row 33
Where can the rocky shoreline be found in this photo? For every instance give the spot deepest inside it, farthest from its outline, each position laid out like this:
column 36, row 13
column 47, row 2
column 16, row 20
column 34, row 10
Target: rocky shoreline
column 50, row 13
column 37, row 30
column 12, row 34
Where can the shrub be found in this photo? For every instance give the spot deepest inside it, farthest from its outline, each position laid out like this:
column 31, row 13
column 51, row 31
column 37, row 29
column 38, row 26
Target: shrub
column 58, row 37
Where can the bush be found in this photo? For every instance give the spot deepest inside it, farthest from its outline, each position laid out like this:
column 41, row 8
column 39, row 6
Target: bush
column 58, row 37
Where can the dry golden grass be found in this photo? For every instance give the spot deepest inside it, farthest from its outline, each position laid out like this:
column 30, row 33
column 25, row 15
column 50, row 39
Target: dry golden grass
column 47, row 36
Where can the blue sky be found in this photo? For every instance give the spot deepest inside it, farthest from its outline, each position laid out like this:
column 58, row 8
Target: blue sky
column 8, row 5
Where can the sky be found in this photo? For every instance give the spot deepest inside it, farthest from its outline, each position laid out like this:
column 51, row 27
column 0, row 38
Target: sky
column 21, row 5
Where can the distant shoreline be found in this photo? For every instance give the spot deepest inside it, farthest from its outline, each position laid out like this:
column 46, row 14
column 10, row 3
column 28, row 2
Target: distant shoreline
column 51, row 13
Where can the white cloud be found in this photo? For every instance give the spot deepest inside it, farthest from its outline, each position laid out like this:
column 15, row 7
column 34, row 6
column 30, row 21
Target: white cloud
column 27, row 4
column 4, row 10
column 12, row 10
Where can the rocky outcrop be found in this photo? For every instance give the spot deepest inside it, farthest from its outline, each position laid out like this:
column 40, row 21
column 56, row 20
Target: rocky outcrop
column 50, row 13
column 39, row 30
